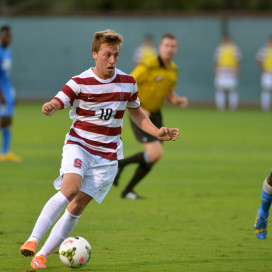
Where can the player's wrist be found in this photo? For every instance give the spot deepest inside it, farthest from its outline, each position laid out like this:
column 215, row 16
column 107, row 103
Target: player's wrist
column 58, row 104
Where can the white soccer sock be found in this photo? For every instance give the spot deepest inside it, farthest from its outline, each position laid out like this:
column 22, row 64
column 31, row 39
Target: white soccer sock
column 265, row 100
column 233, row 100
column 59, row 233
column 48, row 216
column 220, row 100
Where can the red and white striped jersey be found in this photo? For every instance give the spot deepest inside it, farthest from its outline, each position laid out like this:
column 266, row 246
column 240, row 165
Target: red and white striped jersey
column 97, row 111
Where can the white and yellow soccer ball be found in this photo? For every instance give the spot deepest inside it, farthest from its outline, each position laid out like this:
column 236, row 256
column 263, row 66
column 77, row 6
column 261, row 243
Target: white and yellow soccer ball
column 75, row 252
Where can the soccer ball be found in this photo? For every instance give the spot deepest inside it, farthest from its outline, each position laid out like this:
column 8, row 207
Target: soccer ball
column 75, row 252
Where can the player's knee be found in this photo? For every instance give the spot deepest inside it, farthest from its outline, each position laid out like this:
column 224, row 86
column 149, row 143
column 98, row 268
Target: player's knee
column 70, row 192
column 160, row 154
column 157, row 156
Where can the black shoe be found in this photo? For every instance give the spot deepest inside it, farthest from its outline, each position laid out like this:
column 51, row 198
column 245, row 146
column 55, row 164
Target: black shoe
column 131, row 195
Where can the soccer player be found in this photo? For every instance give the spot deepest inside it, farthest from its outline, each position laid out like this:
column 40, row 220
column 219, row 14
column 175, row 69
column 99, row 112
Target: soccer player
column 156, row 80
column 99, row 97
column 227, row 59
column 146, row 51
column 260, row 226
column 264, row 61
column 7, row 95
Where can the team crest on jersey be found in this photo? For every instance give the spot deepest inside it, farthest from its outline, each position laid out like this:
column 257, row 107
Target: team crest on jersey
column 78, row 163
column 158, row 78
column 122, row 96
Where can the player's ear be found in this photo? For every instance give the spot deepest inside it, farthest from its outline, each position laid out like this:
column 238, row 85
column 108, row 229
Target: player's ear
column 94, row 55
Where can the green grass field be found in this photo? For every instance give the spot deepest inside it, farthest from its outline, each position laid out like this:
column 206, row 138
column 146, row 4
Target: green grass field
column 202, row 197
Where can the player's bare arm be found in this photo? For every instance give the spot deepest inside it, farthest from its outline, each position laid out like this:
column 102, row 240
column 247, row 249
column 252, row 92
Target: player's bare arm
column 49, row 108
column 147, row 113
column 143, row 122
column 180, row 101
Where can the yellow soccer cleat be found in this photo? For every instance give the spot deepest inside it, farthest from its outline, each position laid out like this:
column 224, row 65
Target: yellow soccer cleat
column 38, row 262
column 10, row 157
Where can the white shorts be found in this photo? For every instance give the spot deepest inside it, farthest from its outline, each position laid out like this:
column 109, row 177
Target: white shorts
column 225, row 82
column 97, row 173
column 266, row 81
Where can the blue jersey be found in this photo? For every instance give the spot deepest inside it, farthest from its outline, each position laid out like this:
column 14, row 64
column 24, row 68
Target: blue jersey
column 5, row 70
column 7, row 90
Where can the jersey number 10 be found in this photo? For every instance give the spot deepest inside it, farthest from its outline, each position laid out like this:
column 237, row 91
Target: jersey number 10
column 105, row 114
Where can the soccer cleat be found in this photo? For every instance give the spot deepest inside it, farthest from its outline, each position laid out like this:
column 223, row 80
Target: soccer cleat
column 260, row 227
column 28, row 248
column 38, row 262
column 10, row 157
column 131, row 195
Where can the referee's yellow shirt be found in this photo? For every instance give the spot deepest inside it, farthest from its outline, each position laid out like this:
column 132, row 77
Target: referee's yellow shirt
column 267, row 61
column 227, row 56
column 155, row 82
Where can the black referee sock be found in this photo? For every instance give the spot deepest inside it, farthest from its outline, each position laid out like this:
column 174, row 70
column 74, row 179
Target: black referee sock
column 140, row 173
column 137, row 158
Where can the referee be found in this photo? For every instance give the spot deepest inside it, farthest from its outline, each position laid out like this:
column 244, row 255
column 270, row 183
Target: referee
column 156, row 79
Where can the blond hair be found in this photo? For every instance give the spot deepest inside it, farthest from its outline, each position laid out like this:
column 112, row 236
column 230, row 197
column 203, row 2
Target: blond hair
column 108, row 37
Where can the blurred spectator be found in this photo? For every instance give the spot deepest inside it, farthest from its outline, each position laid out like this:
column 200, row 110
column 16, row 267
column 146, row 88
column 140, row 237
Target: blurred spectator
column 7, row 95
column 264, row 61
column 227, row 60
column 146, row 51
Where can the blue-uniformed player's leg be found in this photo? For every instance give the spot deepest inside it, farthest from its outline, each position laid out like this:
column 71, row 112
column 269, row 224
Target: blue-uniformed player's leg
column 6, row 135
column 6, row 112
column 260, row 226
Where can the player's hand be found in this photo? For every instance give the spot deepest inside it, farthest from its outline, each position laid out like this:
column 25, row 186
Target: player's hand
column 168, row 134
column 183, row 102
column 49, row 108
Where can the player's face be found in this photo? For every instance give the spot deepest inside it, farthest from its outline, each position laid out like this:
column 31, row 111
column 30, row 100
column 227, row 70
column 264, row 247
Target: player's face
column 105, row 60
column 5, row 38
column 168, row 48
column 226, row 39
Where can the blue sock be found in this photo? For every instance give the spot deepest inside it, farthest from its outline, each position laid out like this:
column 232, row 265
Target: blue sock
column 266, row 200
column 6, row 139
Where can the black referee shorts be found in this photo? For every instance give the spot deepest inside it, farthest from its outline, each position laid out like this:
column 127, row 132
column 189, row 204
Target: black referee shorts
column 143, row 137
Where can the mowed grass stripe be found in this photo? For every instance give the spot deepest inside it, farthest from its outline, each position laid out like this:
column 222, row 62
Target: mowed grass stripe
column 202, row 197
